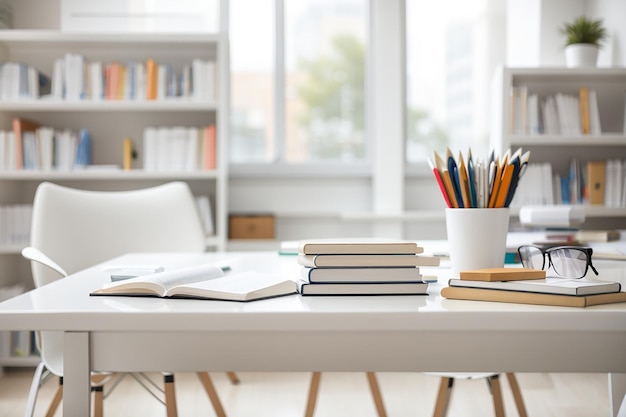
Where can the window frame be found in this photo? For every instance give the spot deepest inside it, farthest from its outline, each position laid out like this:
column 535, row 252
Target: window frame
column 278, row 166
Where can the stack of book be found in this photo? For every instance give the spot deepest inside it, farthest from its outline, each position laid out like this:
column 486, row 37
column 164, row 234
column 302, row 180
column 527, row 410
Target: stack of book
column 362, row 267
column 530, row 286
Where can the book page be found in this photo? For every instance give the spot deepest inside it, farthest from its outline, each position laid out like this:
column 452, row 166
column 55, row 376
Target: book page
column 238, row 287
column 161, row 282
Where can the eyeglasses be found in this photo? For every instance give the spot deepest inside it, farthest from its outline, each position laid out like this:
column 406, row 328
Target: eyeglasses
column 566, row 261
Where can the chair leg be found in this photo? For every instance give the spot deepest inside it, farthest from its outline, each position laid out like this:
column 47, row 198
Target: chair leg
column 210, row 390
column 34, row 390
column 56, row 400
column 496, row 393
column 378, row 398
column 170, row 395
column 234, row 379
column 313, row 391
column 98, row 401
column 517, row 394
column 443, row 397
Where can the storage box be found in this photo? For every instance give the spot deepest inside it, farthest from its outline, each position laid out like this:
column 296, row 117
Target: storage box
column 251, row 226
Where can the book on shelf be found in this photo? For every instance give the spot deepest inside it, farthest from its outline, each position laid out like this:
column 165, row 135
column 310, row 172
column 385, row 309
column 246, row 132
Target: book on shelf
column 151, row 79
column 597, row 235
column 522, row 297
column 596, row 180
column 202, row 282
column 370, row 288
column 548, row 285
column 560, row 113
column 361, row 260
column 583, row 101
column 20, row 126
column 358, row 246
column 502, row 274
column 358, row 275
column 178, row 148
column 208, row 150
column 203, row 202
column 595, row 128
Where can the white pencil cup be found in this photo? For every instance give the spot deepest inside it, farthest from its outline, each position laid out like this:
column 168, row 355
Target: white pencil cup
column 476, row 238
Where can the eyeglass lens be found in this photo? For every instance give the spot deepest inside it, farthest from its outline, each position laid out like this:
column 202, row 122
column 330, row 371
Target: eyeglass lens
column 569, row 263
column 566, row 262
column 532, row 257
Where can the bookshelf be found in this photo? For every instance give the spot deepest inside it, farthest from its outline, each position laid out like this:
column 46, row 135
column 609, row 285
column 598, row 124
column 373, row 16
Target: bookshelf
column 557, row 148
column 109, row 122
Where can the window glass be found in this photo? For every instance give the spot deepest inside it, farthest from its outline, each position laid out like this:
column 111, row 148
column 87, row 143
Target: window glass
column 453, row 48
column 325, row 80
column 252, row 60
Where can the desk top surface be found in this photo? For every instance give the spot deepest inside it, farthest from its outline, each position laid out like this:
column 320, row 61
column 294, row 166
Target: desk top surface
column 66, row 305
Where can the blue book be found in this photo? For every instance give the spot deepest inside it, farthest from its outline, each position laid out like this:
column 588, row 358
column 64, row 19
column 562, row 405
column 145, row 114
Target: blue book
column 83, row 151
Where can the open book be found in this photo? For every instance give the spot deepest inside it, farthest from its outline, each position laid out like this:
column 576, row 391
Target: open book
column 203, row 282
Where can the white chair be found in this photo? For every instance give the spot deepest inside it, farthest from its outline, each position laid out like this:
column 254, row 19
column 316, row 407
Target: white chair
column 493, row 380
column 73, row 229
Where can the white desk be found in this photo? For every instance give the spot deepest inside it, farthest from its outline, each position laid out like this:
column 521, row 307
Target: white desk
column 293, row 333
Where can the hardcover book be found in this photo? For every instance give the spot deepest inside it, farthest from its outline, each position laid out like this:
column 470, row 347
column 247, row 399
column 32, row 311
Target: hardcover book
column 373, row 288
column 546, row 286
column 371, row 274
column 379, row 260
column 520, row 297
column 358, row 246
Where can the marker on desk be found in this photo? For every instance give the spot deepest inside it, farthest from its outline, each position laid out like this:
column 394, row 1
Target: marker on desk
column 124, row 272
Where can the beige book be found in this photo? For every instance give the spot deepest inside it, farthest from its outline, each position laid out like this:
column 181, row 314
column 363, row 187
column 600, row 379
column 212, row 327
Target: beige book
column 519, row 297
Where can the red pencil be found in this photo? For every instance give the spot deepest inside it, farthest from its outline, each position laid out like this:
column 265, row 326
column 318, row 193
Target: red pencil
column 440, row 182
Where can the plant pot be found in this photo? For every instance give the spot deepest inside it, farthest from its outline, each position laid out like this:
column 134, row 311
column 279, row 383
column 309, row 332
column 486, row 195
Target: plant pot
column 581, row 55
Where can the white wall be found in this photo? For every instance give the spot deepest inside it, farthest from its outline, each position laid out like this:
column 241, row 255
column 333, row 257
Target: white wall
column 533, row 37
column 613, row 12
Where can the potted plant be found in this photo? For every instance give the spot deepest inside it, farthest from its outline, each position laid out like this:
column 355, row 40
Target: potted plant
column 584, row 37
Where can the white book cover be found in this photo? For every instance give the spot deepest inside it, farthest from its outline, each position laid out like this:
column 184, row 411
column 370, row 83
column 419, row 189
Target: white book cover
column 3, row 150
column 191, row 162
column 96, row 79
column 595, row 127
column 150, row 149
column 204, row 207
column 58, row 79
column 140, row 81
column 198, row 81
column 11, row 151
column 45, row 140
column 550, row 285
column 164, row 151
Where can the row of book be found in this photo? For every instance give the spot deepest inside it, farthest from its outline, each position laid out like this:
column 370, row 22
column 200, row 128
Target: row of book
column 15, row 222
column 594, row 182
column 20, row 81
column 561, row 113
column 74, row 77
column 179, row 148
column 531, row 286
column 362, row 267
column 45, row 149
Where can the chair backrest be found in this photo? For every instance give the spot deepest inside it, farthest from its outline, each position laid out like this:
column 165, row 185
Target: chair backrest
column 78, row 228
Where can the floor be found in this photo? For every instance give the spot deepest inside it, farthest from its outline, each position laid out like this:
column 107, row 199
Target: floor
column 341, row 394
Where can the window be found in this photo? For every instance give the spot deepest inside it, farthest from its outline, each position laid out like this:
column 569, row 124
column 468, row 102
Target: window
column 298, row 80
column 453, row 47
